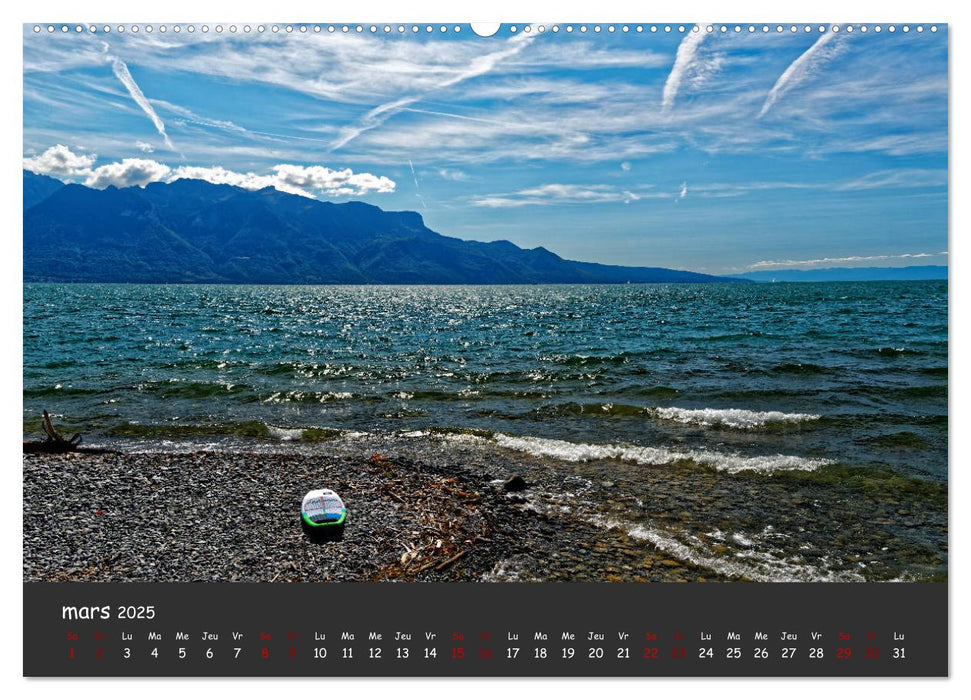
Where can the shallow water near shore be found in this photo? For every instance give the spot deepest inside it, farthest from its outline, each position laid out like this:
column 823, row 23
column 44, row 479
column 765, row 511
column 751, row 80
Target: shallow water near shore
column 768, row 432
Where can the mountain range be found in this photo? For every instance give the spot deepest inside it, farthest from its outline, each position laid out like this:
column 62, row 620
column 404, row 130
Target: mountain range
column 193, row 231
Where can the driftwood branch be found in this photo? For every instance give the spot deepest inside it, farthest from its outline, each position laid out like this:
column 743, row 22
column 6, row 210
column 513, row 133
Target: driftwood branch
column 55, row 437
column 55, row 442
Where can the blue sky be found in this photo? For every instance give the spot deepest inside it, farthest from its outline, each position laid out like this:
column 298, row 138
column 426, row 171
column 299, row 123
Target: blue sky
column 716, row 152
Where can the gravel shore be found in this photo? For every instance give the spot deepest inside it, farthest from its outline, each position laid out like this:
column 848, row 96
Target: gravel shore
column 234, row 516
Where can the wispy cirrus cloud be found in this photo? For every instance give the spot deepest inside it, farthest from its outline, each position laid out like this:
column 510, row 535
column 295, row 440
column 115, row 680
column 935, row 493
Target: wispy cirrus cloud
column 849, row 259
column 898, row 178
column 586, row 56
column 802, row 69
column 478, row 66
column 888, row 179
column 915, row 143
column 352, row 84
column 558, row 193
column 904, row 178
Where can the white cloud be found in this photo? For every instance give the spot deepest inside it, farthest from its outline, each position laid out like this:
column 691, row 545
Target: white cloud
column 843, row 261
column 317, row 178
column 452, row 174
column 625, row 166
column 144, row 147
column 218, row 175
column 293, row 179
column 801, row 69
column 683, row 192
column 59, row 160
column 556, row 193
column 307, row 181
column 129, row 172
column 684, row 65
column 121, row 72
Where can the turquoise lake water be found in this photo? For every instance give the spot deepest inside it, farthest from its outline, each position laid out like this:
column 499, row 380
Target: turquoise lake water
column 736, row 379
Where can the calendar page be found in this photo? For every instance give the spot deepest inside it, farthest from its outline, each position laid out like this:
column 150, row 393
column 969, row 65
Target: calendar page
column 521, row 349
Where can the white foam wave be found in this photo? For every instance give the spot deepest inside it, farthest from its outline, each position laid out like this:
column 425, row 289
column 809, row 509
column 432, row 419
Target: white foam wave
column 737, row 418
column 507, row 570
column 656, row 456
column 355, row 434
column 285, row 434
column 415, row 434
column 753, row 564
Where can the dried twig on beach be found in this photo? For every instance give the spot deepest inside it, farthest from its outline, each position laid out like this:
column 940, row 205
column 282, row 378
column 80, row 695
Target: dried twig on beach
column 450, row 519
column 451, row 560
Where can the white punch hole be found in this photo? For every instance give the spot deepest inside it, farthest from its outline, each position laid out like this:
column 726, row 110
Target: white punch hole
column 485, row 28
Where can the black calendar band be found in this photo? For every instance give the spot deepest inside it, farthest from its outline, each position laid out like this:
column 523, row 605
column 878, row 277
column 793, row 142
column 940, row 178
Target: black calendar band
column 568, row 629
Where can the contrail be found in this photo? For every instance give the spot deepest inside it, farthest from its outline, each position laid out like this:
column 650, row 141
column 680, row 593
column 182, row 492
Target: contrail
column 798, row 70
column 417, row 187
column 479, row 66
column 683, row 63
column 121, row 72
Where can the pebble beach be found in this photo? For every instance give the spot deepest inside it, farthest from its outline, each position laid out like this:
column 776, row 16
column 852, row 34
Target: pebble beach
column 234, row 516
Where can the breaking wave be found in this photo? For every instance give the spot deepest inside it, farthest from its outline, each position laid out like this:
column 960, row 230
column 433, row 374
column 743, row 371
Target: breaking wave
column 736, row 418
column 653, row 456
column 747, row 562
column 752, row 556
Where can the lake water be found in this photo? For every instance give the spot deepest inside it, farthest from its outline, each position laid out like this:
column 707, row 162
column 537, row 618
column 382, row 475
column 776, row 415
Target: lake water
column 835, row 388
